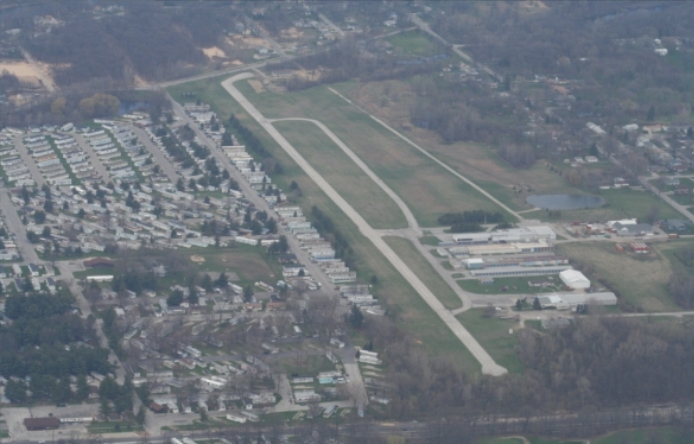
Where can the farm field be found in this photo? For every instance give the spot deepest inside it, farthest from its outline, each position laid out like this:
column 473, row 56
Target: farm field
column 427, row 189
column 379, row 210
column 423, row 269
column 493, row 334
column 412, row 314
column 638, row 281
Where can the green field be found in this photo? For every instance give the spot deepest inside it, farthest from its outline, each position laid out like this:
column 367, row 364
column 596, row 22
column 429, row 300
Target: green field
column 415, row 43
column 424, row 271
column 362, row 193
column 661, row 435
column 492, row 333
column 640, row 280
column 515, row 285
column 404, row 304
column 427, row 188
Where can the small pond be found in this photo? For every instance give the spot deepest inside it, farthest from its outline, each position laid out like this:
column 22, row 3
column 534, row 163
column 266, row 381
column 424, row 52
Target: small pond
column 565, row 201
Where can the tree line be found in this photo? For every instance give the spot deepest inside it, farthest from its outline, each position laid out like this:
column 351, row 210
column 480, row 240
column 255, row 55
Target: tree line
column 34, row 341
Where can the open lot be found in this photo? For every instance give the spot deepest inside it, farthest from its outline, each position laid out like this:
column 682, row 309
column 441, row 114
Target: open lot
column 415, row 43
column 379, row 210
column 427, row 189
column 410, row 311
column 251, row 264
column 638, row 281
column 493, row 334
column 423, row 269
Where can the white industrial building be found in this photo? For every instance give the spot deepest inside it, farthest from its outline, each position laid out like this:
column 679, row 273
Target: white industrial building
column 526, row 234
column 574, row 279
column 569, row 301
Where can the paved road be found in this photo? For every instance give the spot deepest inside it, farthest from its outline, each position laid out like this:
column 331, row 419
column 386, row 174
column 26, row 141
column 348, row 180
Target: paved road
column 411, row 220
column 424, row 26
column 28, row 160
column 67, row 268
column 260, row 203
column 16, row 227
column 678, row 207
column 93, row 158
column 347, row 354
column 488, row 364
column 163, row 162
column 331, row 25
column 432, row 157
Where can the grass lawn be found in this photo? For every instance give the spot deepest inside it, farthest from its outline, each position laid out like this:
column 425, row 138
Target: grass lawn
column 427, row 189
column 620, row 204
column 250, row 263
column 93, row 272
column 415, row 43
column 4, row 434
column 639, row 280
column 424, row 271
column 404, row 304
column 660, row 435
column 514, row 285
column 113, row 427
column 492, row 334
column 374, row 205
column 309, row 365
column 430, row 240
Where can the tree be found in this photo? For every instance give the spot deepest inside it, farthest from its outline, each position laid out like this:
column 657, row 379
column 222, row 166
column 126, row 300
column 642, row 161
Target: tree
column 175, row 298
column 48, row 206
column 356, row 318
column 39, row 217
column 519, row 305
column 16, row 391
column 141, row 415
column 46, row 233
column 536, row 304
column 222, row 281
column 650, row 117
column 248, row 293
column 82, row 388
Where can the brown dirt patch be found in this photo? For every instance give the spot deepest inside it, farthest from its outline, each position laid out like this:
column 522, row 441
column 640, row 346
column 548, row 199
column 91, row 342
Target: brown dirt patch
column 214, row 52
column 197, row 259
column 256, row 85
column 291, row 33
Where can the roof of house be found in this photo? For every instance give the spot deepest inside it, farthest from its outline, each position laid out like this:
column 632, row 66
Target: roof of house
column 50, row 422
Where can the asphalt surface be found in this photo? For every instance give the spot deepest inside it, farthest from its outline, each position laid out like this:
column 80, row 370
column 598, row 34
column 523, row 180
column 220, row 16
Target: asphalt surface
column 93, row 158
column 164, row 163
column 488, row 364
column 28, row 160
